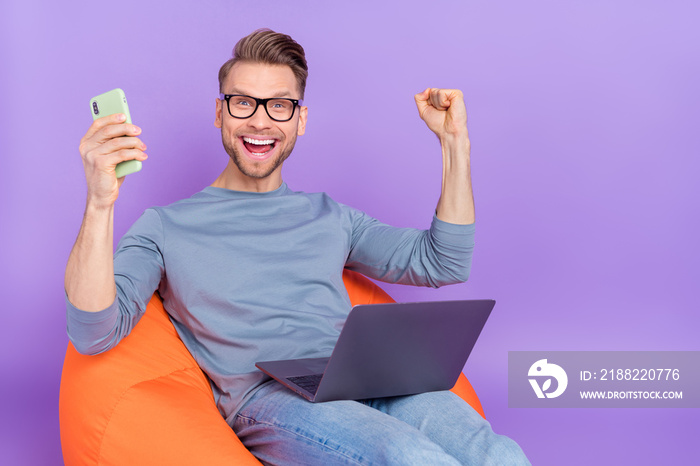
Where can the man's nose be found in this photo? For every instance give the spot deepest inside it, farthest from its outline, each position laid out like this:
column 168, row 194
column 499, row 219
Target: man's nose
column 260, row 119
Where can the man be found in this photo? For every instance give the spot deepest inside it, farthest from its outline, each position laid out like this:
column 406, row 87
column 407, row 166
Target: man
column 250, row 270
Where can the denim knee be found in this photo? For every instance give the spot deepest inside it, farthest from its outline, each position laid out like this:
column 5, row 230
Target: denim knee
column 398, row 448
column 503, row 451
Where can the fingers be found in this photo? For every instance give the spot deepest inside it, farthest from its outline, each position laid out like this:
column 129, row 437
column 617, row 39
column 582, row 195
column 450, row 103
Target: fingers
column 100, row 123
column 108, row 163
column 116, row 150
column 107, row 135
column 91, row 150
column 441, row 99
column 109, row 141
column 120, row 143
column 105, row 162
column 422, row 101
column 438, row 99
column 114, row 131
column 106, row 128
column 443, row 110
column 422, row 96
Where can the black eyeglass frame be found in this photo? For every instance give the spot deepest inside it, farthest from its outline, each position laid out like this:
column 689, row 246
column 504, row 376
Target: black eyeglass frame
column 258, row 103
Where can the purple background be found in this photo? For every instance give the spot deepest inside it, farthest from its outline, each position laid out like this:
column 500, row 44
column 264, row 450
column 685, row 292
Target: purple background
column 583, row 121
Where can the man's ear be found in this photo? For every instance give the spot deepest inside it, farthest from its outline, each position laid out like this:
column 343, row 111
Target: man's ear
column 301, row 125
column 219, row 108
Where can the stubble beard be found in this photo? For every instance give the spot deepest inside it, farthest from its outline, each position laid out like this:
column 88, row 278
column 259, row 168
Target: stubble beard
column 253, row 169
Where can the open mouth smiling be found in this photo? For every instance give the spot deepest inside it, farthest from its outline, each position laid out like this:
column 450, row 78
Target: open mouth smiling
column 258, row 148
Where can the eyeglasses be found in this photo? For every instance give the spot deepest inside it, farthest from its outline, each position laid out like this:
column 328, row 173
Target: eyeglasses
column 245, row 106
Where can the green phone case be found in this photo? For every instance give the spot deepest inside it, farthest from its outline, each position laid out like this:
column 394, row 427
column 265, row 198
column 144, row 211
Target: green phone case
column 110, row 103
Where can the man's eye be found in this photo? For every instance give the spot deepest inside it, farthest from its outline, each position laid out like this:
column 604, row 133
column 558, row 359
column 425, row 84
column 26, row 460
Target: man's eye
column 241, row 102
column 280, row 104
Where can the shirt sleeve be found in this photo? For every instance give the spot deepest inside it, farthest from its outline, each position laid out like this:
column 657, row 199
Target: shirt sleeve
column 435, row 257
column 138, row 270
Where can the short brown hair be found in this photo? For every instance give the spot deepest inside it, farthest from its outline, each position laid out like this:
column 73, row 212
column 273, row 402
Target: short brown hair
column 271, row 48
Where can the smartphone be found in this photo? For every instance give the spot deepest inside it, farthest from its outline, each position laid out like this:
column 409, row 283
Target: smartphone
column 110, row 103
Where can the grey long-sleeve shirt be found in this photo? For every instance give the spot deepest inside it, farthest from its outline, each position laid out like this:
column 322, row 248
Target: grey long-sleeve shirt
column 249, row 277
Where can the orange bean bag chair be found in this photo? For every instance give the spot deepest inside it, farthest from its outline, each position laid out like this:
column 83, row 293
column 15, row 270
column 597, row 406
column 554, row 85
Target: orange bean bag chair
column 146, row 401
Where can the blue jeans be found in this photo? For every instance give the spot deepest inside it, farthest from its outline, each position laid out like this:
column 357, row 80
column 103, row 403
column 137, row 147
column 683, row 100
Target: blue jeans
column 280, row 427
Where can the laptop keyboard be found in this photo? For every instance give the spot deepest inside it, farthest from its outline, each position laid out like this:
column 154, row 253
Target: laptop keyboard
column 307, row 382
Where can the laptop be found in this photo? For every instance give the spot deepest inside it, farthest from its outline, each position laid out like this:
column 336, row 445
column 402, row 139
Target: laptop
column 389, row 349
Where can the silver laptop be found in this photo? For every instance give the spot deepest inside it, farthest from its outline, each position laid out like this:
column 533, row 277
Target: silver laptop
column 389, row 349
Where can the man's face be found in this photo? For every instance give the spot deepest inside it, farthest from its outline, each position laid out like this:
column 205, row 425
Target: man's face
column 275, row 140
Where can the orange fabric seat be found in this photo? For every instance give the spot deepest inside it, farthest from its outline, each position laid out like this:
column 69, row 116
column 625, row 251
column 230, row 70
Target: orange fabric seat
column 147, row 402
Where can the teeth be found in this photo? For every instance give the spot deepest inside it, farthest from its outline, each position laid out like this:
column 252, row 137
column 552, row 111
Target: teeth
column 260, row 142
